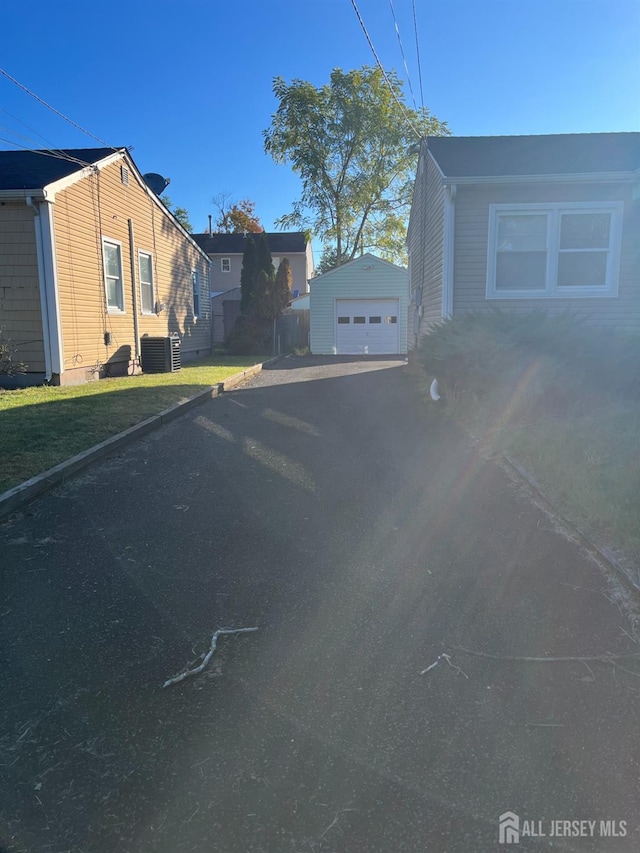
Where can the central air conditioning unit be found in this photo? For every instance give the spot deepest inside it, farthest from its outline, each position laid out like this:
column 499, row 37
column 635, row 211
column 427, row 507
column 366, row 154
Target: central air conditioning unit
column 160, row 355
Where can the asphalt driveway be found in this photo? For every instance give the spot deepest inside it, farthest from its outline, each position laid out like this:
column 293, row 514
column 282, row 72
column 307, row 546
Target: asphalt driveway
column 329, row 507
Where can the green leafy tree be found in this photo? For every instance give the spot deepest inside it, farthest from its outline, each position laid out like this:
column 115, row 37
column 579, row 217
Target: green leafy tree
column 180, row 213
column 329, row 260
column 248, row 274
column 352, row 145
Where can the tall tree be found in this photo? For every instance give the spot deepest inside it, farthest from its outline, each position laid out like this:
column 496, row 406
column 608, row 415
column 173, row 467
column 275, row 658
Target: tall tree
column 329, row 260
column 351, row 143
column 284, row 280
column 180, row 213
column 237, row 218
column 264, row 259
column 248, row 274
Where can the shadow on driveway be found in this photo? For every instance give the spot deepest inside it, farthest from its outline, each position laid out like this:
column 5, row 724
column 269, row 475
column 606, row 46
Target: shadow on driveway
column 328, row 506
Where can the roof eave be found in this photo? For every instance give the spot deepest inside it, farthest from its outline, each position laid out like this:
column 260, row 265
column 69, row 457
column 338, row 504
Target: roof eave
column 583, row 177
column 21, row 194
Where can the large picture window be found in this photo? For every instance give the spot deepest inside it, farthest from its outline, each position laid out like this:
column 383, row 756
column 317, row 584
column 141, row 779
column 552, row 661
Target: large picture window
column 553, row 250
column 114, row 286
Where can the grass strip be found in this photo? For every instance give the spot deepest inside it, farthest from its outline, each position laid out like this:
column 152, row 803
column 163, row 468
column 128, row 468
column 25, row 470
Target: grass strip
column 41, row 427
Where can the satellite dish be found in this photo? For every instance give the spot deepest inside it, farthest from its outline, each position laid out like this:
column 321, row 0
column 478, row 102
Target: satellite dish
column 156, row 182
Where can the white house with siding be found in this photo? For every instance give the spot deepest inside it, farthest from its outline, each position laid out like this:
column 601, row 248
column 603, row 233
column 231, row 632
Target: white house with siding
column 360, row 308
column 526, row 222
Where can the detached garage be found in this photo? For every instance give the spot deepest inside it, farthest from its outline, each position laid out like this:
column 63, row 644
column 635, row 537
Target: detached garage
column 360, row 308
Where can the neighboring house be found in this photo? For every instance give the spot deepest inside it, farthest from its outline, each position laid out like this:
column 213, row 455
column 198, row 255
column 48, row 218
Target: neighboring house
column 90, row 262
column 523, row 222
column 226, row 251
column 360, row 307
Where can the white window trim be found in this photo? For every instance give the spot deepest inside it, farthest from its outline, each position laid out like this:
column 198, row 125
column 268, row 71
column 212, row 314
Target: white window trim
column 110, row 308
column 222, row 263
column 554, row 211
column 153, row 284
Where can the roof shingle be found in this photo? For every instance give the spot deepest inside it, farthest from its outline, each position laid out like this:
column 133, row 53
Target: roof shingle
column 553, row 154
column 30, row 170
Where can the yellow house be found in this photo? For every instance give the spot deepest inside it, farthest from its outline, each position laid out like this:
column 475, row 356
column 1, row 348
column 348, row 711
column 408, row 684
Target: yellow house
column 91, row 263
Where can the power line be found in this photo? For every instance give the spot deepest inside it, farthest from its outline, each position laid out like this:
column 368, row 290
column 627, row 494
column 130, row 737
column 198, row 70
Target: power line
column 406, row 67
column 415, row 29
column 52, row 151
column 53, row 109
column 384, row 73
column 57, row 155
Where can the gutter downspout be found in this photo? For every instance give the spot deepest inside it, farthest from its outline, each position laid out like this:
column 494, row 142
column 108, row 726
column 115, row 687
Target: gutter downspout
column 448, row 250
column 134, row 292
column 51, row 283
column 44, row 307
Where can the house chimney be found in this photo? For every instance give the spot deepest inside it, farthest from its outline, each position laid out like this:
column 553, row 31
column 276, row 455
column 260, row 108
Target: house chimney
column 210, row 231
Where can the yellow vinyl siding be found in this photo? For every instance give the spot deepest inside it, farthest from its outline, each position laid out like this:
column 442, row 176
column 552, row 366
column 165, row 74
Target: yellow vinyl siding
column 20, row 312
column 100, row 206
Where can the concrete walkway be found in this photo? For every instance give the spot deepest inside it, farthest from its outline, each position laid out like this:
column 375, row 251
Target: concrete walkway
column 326, row 505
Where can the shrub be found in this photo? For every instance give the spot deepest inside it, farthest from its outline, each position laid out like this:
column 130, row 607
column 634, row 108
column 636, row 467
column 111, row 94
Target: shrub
column 248, row 337
column 9, row 365
column 531, row 359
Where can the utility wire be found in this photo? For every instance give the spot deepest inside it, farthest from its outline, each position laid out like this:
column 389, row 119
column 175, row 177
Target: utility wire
column 53, row 152
column 57, row 155
column 53, row 109
column 404, row 59
column 415, row 29
column 384, row 73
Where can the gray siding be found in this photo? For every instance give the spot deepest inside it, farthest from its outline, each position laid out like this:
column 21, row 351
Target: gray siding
column 366, row 277
column 221, row 281
column 426, row 246
column 471, row 245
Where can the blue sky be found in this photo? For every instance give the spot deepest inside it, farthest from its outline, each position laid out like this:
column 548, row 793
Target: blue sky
column 189, row 84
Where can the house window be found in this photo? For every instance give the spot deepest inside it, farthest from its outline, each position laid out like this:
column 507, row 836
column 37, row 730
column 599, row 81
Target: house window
column 112, row 257
column 553, row 250
column 344, row 321
column 375, row 319
column 195, row 287
column 276, row 263
column 145, row 265
column 225, row 264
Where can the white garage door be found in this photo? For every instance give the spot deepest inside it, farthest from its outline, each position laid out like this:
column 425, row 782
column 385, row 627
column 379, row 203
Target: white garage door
column 366, row 326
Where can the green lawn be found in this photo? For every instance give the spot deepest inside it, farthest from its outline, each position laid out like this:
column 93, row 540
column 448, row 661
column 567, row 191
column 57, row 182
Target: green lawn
column 40, row 427
column 590, row 466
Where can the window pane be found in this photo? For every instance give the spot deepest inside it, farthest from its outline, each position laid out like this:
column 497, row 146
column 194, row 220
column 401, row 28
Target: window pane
column 359, row 320
column 522, row 233
column 147, row 297
column 375, row 319
column 585, row 230
column 391, row 319
column 521, row 271
column 343, row 321
column 145, row 268
column 582, row 269
column 114, row 293
column 112, row 259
